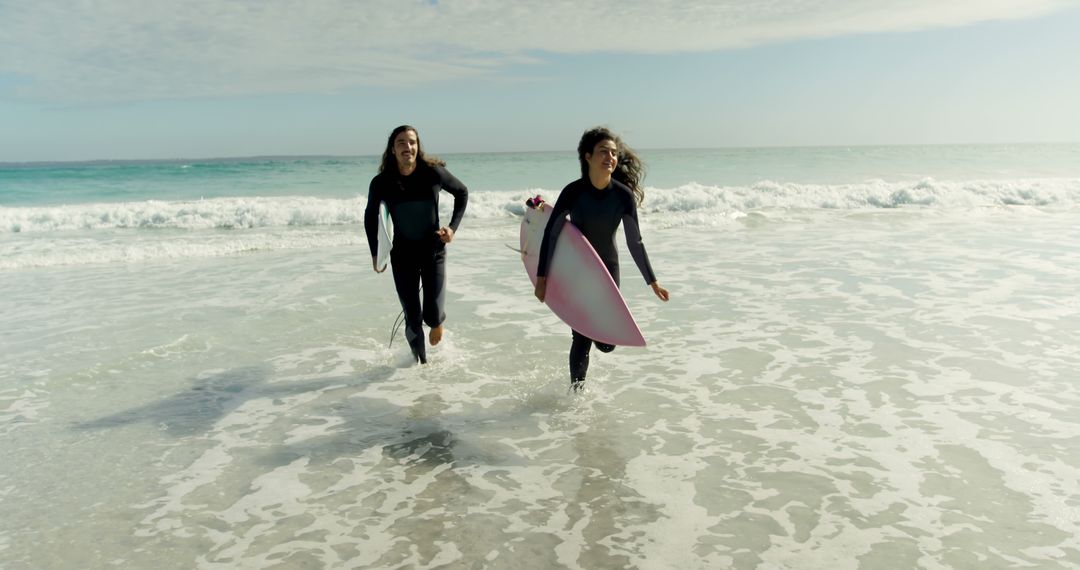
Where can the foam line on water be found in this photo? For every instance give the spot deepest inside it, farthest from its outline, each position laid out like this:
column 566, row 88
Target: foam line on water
column 691, row 201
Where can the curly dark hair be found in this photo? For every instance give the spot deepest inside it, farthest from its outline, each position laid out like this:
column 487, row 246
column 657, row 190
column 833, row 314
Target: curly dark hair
column 389, row 161
column 629, row 170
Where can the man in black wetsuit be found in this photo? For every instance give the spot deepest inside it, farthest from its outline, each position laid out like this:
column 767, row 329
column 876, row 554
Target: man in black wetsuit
column 409, row 183
column 606, row 195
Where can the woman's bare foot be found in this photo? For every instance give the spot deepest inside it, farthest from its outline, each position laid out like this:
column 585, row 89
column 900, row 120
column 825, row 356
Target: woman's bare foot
column 435, row 335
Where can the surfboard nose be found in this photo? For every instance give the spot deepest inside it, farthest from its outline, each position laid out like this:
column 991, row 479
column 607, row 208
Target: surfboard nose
column 536, row 202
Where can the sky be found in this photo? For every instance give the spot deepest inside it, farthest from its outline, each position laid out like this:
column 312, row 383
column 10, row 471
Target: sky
column 144, row 79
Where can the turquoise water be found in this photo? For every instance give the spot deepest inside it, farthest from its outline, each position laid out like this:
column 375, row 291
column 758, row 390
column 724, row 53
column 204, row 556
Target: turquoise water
column 869, row 361
column 35, row 184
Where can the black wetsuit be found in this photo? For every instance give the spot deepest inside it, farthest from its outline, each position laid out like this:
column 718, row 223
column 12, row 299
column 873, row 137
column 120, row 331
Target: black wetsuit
column 418, row 256
column 597, row 213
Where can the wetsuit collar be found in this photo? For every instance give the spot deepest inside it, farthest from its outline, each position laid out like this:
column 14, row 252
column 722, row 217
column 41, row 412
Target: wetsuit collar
column 598, row 188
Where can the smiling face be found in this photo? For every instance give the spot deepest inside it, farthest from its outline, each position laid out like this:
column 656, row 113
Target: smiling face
column 406, row 146
column 603, row 159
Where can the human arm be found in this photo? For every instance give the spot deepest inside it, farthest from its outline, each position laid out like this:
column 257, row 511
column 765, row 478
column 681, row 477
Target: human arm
column 555, row 223
column 457, row 189
column 637, row 250
column 635, row 244
column 371, row 220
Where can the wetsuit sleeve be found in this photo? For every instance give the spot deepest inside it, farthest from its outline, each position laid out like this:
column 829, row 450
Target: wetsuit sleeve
column 551, row 232
column 460, row 193
column 371, row 216
column 635, row 245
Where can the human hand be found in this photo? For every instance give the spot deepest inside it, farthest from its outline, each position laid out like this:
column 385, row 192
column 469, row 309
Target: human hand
column 660, row 291
column 445, row 234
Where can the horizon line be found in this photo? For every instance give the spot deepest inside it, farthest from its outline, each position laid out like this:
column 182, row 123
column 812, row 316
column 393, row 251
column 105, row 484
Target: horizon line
column 102, row 161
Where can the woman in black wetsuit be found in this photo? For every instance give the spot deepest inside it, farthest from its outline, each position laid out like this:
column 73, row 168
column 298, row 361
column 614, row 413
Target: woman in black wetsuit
column 409, row 183
column 607, row 194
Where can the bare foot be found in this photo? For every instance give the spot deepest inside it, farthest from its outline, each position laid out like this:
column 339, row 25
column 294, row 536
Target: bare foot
column 435, row 335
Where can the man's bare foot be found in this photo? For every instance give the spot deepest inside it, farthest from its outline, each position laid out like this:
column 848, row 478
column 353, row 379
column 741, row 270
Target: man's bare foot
column 435, row 335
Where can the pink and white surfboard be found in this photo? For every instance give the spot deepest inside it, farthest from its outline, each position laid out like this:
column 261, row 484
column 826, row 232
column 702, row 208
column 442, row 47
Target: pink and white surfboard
column 580, row 291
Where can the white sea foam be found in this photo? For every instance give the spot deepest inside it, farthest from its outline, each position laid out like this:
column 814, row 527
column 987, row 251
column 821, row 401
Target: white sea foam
column 874, row 194
column 216, row 213
column 19, row 408
column 693, row 203
column 837, row 388
column 148, row 231
column 83, row 249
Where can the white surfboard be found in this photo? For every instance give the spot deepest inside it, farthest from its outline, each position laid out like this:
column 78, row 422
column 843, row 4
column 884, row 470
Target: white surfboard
column 580, row 291
column 386, row 237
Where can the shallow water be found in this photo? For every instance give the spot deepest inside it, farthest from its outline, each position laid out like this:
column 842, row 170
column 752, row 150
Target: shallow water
column 826, row 389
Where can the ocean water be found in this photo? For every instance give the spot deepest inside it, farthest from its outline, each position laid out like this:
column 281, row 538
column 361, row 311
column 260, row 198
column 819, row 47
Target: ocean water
column 871, row 359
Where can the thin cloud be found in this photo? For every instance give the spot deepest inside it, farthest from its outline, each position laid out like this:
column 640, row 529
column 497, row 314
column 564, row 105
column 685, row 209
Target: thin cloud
column 126, row 50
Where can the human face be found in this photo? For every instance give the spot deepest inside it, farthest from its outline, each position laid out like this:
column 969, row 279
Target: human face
column 406, row 146
column 604, row 158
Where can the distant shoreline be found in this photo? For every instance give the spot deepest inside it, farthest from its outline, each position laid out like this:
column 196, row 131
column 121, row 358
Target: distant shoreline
column 138, row 161
column 285, row 157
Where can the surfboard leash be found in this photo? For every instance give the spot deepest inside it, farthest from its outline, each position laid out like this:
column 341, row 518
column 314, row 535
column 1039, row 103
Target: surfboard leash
column 400, row 320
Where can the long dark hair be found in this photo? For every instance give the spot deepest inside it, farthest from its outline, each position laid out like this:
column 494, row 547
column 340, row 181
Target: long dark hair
column 629, row 170
column 389, row 161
